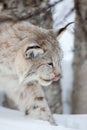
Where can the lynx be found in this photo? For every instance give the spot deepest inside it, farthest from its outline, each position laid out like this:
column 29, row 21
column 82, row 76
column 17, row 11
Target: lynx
column 29, row 59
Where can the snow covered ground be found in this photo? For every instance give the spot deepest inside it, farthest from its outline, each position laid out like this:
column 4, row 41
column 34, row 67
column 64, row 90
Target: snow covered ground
column 15, row 120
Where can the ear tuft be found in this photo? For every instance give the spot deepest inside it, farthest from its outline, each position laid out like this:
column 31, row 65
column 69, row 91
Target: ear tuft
column 61, row 30
column 58, row 32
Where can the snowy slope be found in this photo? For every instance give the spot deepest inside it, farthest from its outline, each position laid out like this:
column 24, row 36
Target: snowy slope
column 15, row 120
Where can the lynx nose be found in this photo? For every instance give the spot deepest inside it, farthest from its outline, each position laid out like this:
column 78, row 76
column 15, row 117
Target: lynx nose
column 56, row 77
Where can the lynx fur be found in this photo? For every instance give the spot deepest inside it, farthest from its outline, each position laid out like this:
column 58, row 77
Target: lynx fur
column 29, row 59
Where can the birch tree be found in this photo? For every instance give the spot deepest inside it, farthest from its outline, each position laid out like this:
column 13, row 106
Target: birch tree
column 80, row 59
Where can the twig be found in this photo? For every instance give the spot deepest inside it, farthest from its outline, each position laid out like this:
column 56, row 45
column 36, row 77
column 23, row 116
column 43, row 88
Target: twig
column 38, row 11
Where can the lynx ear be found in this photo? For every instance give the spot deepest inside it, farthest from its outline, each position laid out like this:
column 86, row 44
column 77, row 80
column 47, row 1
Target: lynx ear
column 59, row 32
column 33, row 51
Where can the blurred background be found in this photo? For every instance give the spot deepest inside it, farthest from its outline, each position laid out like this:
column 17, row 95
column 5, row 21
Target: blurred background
column 67, row 96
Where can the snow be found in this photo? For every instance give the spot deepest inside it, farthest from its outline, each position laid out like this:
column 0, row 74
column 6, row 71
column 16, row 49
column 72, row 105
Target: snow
column 15, row 120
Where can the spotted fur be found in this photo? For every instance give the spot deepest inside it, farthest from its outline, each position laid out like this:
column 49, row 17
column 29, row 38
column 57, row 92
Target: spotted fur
column 29, row 59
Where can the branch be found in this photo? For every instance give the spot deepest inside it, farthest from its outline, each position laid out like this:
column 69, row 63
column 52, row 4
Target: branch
column 37, row 11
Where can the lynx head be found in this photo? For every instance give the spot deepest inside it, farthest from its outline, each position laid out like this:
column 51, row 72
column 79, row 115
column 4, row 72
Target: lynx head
column 39, row 57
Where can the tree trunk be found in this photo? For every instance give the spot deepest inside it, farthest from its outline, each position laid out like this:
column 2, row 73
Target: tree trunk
column 19, row 8
column 80, row 59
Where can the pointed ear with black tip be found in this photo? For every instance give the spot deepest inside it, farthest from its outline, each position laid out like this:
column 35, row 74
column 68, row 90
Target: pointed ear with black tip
column 33, row 52
column 59, row 32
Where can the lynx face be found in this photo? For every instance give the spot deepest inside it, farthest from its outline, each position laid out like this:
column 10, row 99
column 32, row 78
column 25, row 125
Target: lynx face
column 35, row 51
column 38, row 61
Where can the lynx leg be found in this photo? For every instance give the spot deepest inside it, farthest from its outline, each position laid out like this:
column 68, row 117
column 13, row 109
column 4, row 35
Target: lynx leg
column 30, row 99
column 37, row 106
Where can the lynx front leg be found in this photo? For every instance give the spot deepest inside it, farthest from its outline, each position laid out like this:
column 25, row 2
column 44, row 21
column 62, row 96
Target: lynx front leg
column 33, row 102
